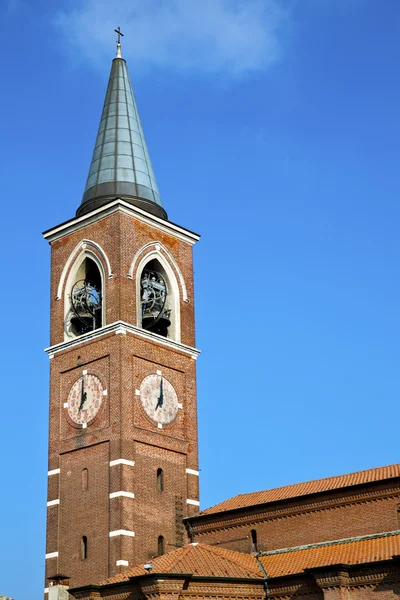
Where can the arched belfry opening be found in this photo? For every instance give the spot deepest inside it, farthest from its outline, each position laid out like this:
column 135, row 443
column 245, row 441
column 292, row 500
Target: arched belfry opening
column 84, row 298
column 159, row 300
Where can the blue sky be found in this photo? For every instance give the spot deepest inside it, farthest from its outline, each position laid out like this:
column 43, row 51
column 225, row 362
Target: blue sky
column 274, row 131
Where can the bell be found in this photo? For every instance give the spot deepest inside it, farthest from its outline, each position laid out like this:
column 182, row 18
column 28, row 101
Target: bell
column 159, row 326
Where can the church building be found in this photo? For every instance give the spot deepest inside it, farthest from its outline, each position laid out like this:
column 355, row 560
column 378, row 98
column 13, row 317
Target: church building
column 123, row 516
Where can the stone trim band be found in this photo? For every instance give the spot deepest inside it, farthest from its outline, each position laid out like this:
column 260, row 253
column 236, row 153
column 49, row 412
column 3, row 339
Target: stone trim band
column 122, row 532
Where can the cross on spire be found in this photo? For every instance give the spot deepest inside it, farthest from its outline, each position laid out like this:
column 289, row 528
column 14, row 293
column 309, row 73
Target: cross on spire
column 118, row 31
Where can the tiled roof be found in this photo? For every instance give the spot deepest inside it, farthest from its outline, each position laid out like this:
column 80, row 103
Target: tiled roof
column 369, row 549
column 302, row 489
column 212, row 561
column 198, row 559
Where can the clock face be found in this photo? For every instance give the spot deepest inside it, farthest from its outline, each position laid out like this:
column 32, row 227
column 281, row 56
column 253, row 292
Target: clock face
column 85, row 398
column 159, row 399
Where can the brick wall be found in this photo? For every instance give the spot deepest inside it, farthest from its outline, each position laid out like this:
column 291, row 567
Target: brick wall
column 347, row 513
column 121, row 429
column 84, row 513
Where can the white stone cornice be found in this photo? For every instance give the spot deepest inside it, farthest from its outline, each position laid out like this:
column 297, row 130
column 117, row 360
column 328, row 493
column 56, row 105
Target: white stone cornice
column 121, row 494
column 53, row 472
column 117, row 328
column 192, row 472
column 120, row 206
column 121, row 532
column 193, row 502
column 122, row 563
column 122, row 461
column 53, row 502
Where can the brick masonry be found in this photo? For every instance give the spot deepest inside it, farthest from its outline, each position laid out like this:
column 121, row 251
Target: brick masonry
column 121, row 428
column 339, row 582
column 354, row 511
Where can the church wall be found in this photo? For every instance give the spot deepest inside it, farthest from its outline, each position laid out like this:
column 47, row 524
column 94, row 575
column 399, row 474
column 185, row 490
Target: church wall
column 368, row 581
column 287, row 525
column 177, row 588
column 160, row 513
column 85, row 513
column 384, row 591
column 374, row 584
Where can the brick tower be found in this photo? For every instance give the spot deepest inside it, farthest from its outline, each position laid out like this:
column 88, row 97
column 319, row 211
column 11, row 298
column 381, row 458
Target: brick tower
column 123, row 464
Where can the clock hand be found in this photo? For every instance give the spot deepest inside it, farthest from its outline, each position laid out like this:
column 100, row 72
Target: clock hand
column 161, row 397
column 83, row 393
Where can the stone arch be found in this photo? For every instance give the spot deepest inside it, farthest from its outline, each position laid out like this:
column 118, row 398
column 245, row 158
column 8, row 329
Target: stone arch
column 162, row 250
column 82, row 246
column 86, row 258
column 173, row 292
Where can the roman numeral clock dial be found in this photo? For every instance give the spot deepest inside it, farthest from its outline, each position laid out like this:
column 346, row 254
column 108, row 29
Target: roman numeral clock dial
column 159, row 399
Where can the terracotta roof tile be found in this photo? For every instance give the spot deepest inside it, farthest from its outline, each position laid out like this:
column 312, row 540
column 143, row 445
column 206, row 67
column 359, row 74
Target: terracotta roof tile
column 302, row 489
column 204, row 560
column 198, row 559
column 372, row 549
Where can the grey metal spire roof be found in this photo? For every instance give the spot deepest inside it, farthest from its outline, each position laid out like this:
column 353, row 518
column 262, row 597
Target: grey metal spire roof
column 121, row 166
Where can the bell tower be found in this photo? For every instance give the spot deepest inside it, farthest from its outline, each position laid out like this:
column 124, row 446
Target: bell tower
column 123, row 460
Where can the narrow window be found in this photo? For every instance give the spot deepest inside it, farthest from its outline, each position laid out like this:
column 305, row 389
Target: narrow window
column 160, row 480
column 160, row 546
column 84, row 480
column 84, row 548
column 253, row 538
column 398, row 517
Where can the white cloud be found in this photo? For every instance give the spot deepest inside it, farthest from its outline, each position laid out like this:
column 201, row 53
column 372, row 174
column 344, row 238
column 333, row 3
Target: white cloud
column 230, row 36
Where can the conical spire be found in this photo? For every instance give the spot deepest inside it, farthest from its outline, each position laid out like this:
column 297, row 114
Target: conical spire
column 121, row 166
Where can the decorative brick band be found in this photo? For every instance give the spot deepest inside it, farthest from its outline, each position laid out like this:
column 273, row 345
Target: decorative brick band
column 193, row 502
column 53, row 472
column 51, row 555
column 53, row 502
column 123, row 494
column 122, row 532
column 122, row 461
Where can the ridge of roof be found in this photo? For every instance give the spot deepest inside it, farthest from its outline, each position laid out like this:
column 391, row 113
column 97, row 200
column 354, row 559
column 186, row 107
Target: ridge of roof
column 229, row 558
column 179, row 557
column 360, row 538
column 197, row 559
column 314, row 486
